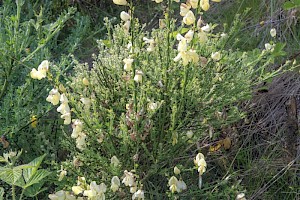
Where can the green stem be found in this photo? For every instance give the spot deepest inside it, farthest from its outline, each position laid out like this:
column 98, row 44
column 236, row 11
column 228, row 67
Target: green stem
column 13, row 190
column 132, row 49
column 42, row 45
column 4, row 87
column 21, row 196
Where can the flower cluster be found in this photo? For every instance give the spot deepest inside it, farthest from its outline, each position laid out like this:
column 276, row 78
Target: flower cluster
column 41, row 72
column 176, row 185
column 78, row 134
column 115, row 183
column 185, row 53
column 200, row 163
column 129, row 180
column 126, row 18
column 64, row 109
column 92, row 191
column 54, row 96
column 62, row 195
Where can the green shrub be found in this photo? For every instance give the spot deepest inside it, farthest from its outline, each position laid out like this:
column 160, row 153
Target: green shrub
column 147, row 104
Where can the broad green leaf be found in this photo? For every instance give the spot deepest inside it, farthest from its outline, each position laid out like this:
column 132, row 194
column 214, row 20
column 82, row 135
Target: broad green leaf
column 26, row 166
column 34, row 190
column 10, row 175
column 37, row 177
column 28, row 173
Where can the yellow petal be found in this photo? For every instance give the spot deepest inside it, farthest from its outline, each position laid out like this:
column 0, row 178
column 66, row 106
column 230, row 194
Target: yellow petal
column 204, row 4
column 120, row 2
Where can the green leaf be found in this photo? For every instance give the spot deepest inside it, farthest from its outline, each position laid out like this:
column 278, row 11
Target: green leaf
column 10, row 175
column 37, row 177
column 184, row 30
column 26, row 166
column 34, row 190
column 107, row 43
column 28, row 173
column 291, row 4
column 278, row 50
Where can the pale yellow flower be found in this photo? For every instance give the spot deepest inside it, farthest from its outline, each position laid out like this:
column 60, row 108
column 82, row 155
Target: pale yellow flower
column 200, row 163
column 62, row 173
column 223, row 35
column 64, row 107
column 77, row 189
column 61, row 195
column 133, row 189
column 138, row 76
column 96, row 192
column 67, row 118
column 53, row 97
column 85, row 81
column 128, row 180
column 189, row 134
column 176, row 170
column 173, row 184
column 114, row 161
column 188, row 56
column 240, row 196
column 216, row 56
column 138, row 195
column 44, row 66
column 184, row 9
column 151, row 43
column 194, row 3
column 273, row 32
column 189, row 36
column 115, row 183
column 153, row 105
column 80, row 141
column 86, row 102
column 181, row 186
column 120, row 2
column 206, row 28
column 269, row 47
column 77, row 128
column 189, row 18
column 128, row 64
column 182, row 45
column 204, row 4
column 41, row 72
column 158, row 1
column 193, row 56
column 124, row 16
column 126, row 26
